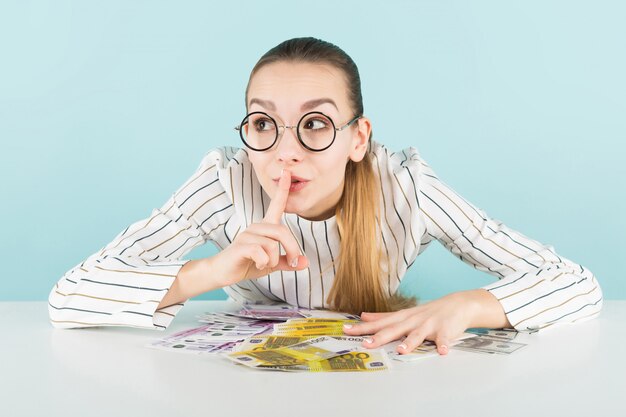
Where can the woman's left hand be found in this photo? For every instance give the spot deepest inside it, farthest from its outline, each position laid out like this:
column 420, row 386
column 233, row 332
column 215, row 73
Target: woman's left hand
column 442, row 321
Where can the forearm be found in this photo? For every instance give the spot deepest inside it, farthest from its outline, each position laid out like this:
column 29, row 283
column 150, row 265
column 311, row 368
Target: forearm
column 193, row 279
column 486, row 310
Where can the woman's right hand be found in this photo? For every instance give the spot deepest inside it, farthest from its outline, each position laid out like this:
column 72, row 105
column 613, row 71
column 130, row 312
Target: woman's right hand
column 255, row 252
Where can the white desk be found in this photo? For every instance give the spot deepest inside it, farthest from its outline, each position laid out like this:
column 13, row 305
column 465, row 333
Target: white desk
column 576, row 370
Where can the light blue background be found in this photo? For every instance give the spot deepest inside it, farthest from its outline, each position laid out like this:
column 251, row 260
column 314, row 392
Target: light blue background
column 106, row 108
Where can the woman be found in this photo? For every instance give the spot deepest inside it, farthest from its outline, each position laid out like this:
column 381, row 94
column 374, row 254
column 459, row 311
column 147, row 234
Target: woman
column 313, row 212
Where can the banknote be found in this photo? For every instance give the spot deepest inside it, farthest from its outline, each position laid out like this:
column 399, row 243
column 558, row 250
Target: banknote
column 283, row 311
column 268, row 341
column 277, row 311
column 306, row 326
column 225, row 318
column 223, row 336
column 311, row 327
column 297, row 354
column 483, row 344
column 354, row 341
column 316, row 320
column 220, row 333
column 325, row 331
column 322, row 347
column 268, row 315
column 236, row 328
column 327, row 314
column 190, row 346
column 196, row 345
column 426, row 349
column 416, row 354
column 370, row 360
column 505, row 334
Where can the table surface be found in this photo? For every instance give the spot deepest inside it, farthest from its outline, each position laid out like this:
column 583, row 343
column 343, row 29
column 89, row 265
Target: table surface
column 573, row 370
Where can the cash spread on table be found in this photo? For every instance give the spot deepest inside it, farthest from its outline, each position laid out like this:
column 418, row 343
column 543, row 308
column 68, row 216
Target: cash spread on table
column 281, row 337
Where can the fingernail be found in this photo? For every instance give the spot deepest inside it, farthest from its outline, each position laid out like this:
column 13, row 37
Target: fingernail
column 294, row 262
column 368, row 340
column 403, row 346
column 347, row 326
column 444, row 349
column 262, row 267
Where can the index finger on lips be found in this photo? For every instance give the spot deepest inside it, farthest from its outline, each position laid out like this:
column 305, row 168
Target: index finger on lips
column 279, row 202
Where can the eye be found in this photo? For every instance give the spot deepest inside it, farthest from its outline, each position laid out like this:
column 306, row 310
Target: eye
column 316, row 123
column 263, row 124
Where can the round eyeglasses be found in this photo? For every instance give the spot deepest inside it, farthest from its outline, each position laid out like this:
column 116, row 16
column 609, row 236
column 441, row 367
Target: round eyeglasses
column 315, row 130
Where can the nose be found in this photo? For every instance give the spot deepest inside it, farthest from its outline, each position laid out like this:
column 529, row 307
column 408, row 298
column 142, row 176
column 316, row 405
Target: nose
column 289, row 148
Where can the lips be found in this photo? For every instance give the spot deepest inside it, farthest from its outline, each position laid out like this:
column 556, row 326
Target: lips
column 294, row 178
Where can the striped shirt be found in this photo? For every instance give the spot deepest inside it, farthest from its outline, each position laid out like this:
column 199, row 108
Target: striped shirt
column 124, row 282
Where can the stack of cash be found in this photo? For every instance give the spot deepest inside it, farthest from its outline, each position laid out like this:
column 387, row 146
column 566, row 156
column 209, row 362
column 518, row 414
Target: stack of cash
column 312, row 344
column 309, row 354
column 268, row 311
column 311, row 327
column 220, row 333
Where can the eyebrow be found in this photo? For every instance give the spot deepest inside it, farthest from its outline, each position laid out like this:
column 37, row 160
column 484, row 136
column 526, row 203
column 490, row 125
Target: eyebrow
column 308, row 105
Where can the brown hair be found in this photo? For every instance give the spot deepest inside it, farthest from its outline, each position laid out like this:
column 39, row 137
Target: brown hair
column 358, row 286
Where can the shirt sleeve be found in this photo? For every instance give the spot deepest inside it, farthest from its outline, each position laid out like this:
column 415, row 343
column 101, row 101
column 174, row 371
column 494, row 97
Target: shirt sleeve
column 124, row 282
column 536, row 287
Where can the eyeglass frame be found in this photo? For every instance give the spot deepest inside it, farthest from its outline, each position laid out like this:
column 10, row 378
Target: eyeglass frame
column 278, row 134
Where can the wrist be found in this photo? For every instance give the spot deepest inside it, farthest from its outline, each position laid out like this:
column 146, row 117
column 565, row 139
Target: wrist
column 196, row 278
column 485, row 310
column 215, row 276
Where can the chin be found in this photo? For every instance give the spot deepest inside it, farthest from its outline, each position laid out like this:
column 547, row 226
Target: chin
column 293, row 209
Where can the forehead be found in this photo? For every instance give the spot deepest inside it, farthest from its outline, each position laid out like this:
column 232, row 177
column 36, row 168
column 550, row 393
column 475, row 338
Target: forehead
column 289, row 84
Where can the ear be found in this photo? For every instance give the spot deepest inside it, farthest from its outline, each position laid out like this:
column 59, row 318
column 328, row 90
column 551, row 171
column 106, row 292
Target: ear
column 360, row 139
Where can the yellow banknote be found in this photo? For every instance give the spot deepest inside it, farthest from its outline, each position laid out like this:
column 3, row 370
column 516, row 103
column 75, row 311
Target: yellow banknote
column 311, row 327
column 268, row 341
column 326, row 331
column 355, row 361
column 317, row 348
column 314, row 320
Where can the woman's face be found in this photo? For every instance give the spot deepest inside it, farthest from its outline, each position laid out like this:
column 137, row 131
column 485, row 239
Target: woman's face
column 281, row 90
